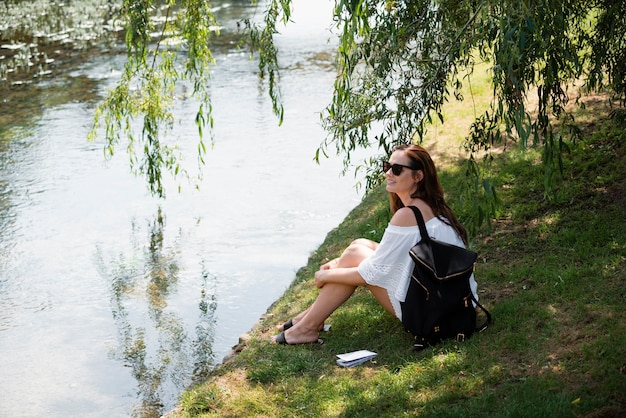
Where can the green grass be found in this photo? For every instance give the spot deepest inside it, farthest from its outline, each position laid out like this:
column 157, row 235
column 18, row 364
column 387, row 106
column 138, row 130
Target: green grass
column 552, row 272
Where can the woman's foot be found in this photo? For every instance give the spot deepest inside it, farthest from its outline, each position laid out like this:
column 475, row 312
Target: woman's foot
column 285, row 326
column 291, row 323
column 298, row 334
column 281, row 339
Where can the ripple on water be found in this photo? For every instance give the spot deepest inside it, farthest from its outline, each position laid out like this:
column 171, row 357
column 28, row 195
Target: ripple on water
column 111, row 299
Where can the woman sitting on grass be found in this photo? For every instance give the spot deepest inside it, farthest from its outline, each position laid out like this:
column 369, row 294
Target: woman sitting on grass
column 384, row 268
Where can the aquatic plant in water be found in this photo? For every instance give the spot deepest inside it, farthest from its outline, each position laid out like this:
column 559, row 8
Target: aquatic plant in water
column 36, row 34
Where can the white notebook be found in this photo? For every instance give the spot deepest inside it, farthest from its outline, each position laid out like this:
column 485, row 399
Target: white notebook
column 355, row 358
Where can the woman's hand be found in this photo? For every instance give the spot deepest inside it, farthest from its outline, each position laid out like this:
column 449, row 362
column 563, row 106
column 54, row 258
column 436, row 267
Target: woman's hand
column 321, row 276
column 330, row 265
column 332, row 273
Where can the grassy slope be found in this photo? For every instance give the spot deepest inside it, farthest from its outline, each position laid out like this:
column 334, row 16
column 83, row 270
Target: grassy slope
column 552, row 273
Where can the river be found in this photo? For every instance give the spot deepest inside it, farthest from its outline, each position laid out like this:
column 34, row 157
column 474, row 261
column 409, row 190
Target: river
column 113, row 301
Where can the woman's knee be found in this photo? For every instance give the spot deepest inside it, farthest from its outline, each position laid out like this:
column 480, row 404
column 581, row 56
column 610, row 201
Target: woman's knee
column 361, row 247
column 357, row 251
column 361, row 243
column 354, row 249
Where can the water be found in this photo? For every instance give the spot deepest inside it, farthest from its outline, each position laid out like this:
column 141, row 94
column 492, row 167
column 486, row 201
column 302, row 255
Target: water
column 113, row 301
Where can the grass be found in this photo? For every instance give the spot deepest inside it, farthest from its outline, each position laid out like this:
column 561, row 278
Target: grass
column 552, row 272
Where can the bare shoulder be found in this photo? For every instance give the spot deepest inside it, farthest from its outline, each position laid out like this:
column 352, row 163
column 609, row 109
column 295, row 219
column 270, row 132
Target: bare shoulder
column 404, row 217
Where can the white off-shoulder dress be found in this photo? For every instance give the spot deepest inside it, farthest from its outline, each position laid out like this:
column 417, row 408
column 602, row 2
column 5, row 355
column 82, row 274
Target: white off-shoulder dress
column 391, row 265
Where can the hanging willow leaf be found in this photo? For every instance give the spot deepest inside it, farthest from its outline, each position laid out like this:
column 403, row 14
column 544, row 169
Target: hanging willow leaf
column 398, row 63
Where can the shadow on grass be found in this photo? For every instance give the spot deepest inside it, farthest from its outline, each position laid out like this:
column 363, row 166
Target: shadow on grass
column 552, row 273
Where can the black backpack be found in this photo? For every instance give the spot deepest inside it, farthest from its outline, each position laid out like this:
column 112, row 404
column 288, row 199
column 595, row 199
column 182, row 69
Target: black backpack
column 439, row 303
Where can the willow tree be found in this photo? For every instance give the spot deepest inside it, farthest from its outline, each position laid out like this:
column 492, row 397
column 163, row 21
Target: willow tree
column 398, row 63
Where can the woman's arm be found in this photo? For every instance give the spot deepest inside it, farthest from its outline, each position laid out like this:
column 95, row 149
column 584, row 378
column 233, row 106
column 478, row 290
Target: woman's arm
column 342, row 275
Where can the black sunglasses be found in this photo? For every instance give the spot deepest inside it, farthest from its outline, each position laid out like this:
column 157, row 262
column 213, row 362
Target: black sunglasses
column 396, row 169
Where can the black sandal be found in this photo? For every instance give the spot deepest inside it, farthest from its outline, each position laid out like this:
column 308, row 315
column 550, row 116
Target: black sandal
column 290, row 324
column 280, row 339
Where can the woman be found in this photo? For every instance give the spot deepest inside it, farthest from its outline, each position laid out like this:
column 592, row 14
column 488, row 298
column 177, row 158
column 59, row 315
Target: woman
column 384, row 268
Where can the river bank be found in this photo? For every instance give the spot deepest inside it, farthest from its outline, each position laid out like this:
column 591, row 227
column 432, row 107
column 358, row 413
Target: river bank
column 112, row 301
column 551, row 272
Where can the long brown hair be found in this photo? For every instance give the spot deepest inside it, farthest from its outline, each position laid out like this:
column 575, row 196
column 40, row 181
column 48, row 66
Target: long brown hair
column 429, row 189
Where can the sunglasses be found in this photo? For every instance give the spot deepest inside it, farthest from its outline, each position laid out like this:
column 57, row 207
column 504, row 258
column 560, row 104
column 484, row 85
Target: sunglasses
column 396, row 169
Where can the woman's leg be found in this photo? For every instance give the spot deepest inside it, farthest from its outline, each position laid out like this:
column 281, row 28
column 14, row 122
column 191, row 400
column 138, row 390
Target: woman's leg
column 379, row 293
column 382, row 297
column 332, row 295
column 352, row 256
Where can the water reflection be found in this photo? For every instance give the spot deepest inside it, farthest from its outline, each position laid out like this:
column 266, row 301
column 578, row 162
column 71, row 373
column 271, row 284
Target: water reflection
column 123, row 327
column 152, row 341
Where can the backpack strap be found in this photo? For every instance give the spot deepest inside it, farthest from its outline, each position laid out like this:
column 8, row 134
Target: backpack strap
column 420, row 222
column 488, row 320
